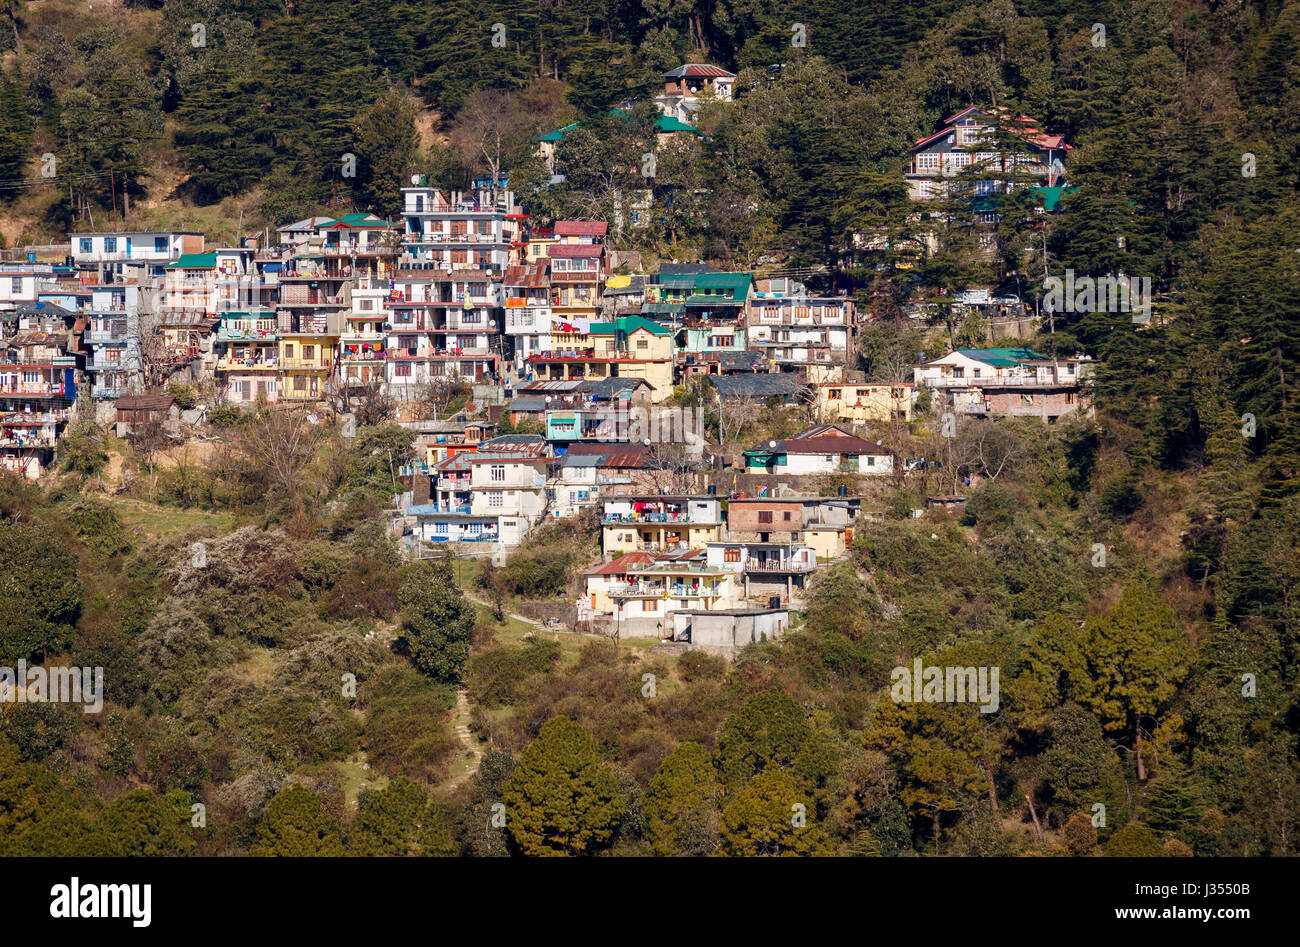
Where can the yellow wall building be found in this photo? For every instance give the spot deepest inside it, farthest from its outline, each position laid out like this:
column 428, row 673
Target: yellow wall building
column 865, row 404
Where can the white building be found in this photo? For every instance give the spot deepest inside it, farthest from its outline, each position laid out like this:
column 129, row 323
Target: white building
column 458, row 231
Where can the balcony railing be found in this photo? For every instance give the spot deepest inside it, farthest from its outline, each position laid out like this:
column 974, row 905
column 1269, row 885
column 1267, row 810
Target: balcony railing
column 236, row 364
column 644, row 519
column 783, row 565
column 1013, row 381
column 32, row 388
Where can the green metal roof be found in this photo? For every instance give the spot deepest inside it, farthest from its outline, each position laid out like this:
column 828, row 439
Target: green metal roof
column 627, row 325
column 1003, row 358
column 357, row 220
column 194, row 261
column 665, row 124
column 736, row 282
column 1051, row 196
column 558, row 134
column 665, row 308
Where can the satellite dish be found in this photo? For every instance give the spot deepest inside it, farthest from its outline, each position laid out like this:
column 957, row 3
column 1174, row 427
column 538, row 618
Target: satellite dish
column 771, row 444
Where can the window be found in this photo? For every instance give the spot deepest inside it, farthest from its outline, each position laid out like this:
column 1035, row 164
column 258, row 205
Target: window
column 643, row 343
column 765, row 516
column 402, row 370
column 834, row 394
column 650, row 605
column 299, row 383
column 731, row 554
column 159, row 244
column 110, row 244
column 496, row 498
column 288, row 350
column 308, row 352
column 786, row 516
column 87, row 245
column 928, row 161
column 458, row 257
column 16, row 284
column 498, row 472
column 365, row 305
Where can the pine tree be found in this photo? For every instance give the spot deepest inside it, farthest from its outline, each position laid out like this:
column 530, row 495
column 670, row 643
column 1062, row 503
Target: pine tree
column 296, row 825
column 438, row 621
column 562, row 798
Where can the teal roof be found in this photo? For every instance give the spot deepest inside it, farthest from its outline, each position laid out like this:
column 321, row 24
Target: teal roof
column 194, row 261
column 1003, row 358
column 665, row 124
column 357, row 220
column 558, row 134
column 665, row 308
column 1051, row 196
column 626, row 326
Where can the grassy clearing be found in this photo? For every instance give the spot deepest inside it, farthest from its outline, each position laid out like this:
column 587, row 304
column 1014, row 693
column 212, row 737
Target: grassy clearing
column 354, row 777
column 161, row 523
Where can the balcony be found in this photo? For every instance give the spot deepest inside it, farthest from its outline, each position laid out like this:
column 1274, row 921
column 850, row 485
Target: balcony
column 645, row 519
column 436, row 237
column 1009, row 381
column 229, row 364
column 229, row 334
column 33, row 442
column 106, row 337
column 780, row 565
column 37, row 388
column 357, row 249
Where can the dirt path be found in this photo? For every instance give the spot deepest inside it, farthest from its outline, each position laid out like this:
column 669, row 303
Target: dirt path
column 486, row 604
column 460, row 722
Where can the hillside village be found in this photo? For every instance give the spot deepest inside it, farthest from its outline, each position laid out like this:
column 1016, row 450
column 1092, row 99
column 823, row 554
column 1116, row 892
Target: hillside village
column 581, row 385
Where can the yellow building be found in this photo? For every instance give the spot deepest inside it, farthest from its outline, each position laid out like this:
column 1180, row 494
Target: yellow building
column 865, row 404
column 306, row 362
column 828, row 541
column 631, row 347
column 659, row 523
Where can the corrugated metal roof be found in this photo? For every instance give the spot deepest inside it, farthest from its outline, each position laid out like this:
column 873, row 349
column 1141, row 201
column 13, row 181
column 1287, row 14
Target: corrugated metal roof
column 581, row 228
column 755, row 385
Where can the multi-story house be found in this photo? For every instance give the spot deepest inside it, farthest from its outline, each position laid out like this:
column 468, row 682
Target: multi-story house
column 479, row 230
column 315, row 293
column 509, row 485
column 364, row 340
column 799, row 332
column 442, row 325
column 361, row 244
column 821, row 449
column 528, row 316
column 1008, row 382
column 183, row 333
column 248, row 366
column 842, row 402
column 631, row 347
column 767, row 570
column 577, row 271
column 37, row 392
column 685, row 85
column 791, row 519
column 142, row 255
column 706, row 311
column 985, row 143
column 651, row 593
column 652, row 522
column 111, row 340
column 22, row 283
